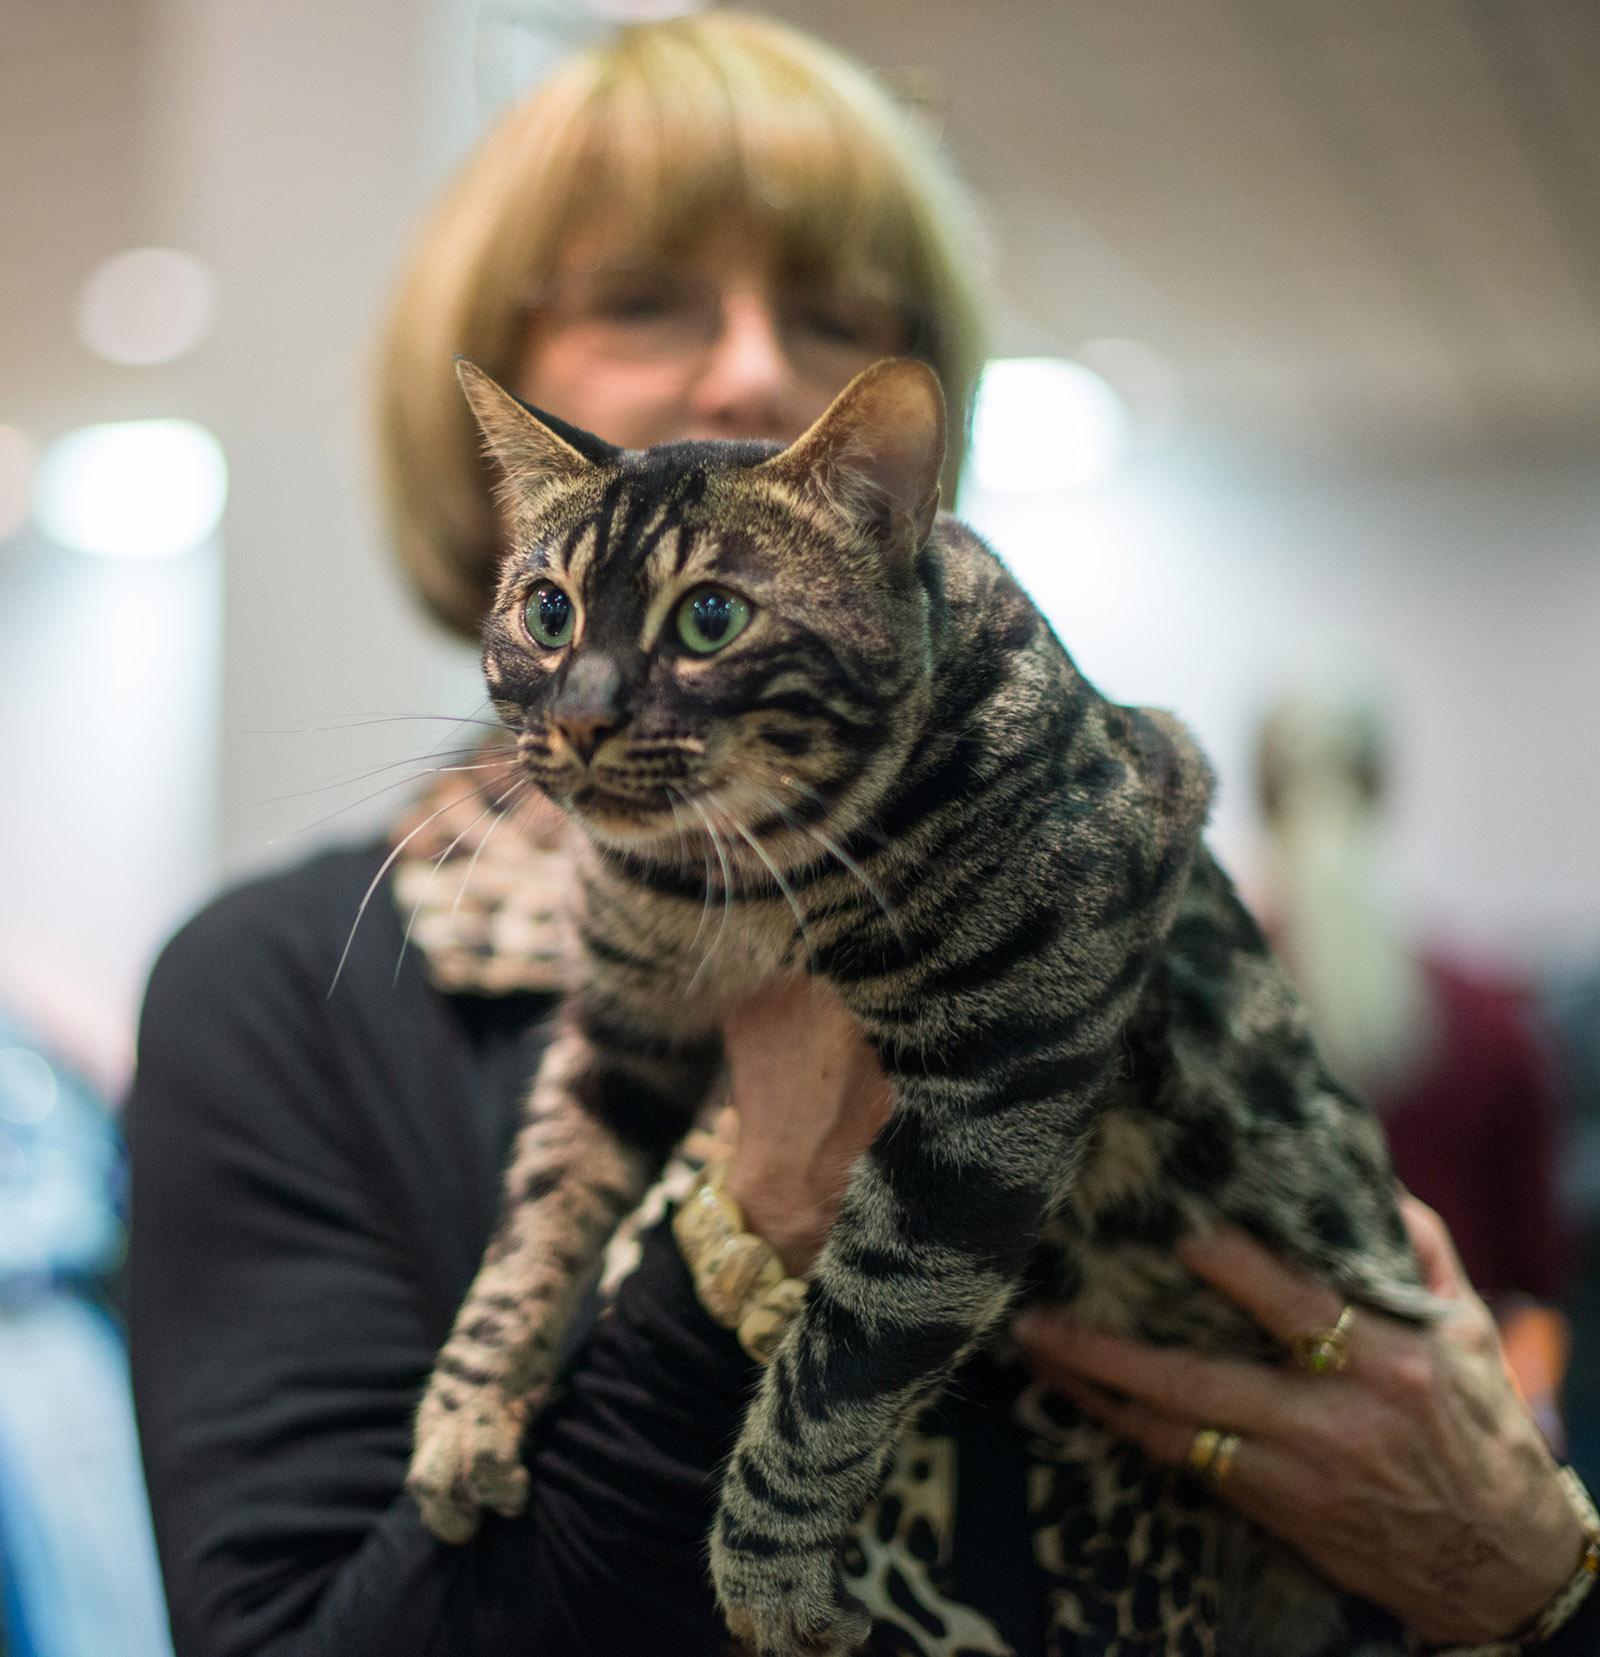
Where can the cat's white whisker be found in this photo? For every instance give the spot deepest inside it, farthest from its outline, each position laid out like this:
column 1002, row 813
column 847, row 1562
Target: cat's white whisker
column 477, row 851
column 388, row 787
column 372, row 886
column 845, row 859
column 351, row 778
column 356, row 722
column 704, row 815
column 673, row 796
column 822, row 799
column 439, row 863
column 777, row 874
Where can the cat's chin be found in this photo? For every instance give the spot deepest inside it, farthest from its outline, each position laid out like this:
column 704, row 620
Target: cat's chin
column 614, row 821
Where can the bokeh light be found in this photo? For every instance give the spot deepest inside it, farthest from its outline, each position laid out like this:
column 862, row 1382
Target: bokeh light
column 136, row 489
column 28, row 1086
column 16, row 473
column 148, row 305
column 1044, row 424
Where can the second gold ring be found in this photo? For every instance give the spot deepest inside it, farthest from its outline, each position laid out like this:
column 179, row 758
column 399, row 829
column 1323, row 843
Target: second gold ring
column 1211, row 1454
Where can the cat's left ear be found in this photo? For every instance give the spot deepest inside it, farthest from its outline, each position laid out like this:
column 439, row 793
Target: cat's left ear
column 876, row 455
column 532, row 447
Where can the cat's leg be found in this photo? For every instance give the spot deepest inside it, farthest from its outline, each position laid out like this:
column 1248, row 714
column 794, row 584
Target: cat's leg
column 608, row 1103
column 922, row 1262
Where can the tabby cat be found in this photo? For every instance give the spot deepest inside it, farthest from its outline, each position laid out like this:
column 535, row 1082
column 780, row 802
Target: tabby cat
column 807, row 726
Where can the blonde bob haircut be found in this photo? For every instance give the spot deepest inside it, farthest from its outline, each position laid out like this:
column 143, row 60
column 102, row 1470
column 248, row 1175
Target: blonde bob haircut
column 674, row 127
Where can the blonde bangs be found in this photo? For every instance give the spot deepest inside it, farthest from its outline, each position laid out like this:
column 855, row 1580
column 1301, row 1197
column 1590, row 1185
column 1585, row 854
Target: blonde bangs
column 689, row 128
column 652, row 137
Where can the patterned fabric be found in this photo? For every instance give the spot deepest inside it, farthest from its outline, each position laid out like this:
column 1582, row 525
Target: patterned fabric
column 484, row 891
column 482, row 886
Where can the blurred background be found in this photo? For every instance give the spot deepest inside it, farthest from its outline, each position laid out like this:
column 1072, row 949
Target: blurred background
column 1297, row 316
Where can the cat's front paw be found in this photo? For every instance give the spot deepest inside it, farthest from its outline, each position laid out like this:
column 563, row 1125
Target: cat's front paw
column 786, row 1605
column 467, row 1457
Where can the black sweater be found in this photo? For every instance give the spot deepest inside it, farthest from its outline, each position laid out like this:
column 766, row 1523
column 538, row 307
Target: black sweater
column 315, row 1178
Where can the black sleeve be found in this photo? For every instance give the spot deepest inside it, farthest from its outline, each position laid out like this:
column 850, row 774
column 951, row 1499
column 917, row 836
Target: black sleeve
column 288, row 1206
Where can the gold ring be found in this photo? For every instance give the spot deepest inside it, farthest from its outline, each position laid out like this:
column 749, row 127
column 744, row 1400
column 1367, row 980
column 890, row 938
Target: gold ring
column 1211, row 1454
column 1203, row 1450
column 1325, row 1351
column 1222, row 1462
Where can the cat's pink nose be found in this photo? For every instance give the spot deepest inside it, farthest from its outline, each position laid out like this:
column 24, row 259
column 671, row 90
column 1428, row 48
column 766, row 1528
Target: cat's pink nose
column 588, row 707
column 584, row 732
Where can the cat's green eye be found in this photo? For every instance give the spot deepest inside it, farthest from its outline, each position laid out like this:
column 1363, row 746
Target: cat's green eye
column 709, row 618
column 549, row 616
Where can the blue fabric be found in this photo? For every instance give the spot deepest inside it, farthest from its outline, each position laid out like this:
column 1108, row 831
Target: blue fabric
column 74, row 1526
column 76, row 1556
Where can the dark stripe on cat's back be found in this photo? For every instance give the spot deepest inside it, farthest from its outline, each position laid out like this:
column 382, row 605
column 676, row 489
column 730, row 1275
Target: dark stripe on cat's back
column 1035, row 932
column 929, row 784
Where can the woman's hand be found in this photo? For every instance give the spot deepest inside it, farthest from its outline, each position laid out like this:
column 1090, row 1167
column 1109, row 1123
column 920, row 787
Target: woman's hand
column 1415, row 1478
column 810, row 1098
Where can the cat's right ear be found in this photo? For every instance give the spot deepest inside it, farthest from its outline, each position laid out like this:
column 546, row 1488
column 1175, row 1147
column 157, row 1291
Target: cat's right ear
column 876, row 454
column 532, row 448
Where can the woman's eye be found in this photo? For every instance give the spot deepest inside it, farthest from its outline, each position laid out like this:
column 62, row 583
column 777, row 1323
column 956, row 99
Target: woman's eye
column 710, row 618
column 549, row 616
column 635, row 304
column 857, row 322
column 837, row 327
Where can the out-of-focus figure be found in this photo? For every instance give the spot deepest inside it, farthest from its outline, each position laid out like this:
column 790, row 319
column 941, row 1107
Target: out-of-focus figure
column 1572, row 1001
column 77, row 1566
column 1446, row 1050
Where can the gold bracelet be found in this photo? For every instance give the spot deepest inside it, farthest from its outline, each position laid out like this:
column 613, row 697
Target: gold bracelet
column 1559, row 1612
column 739, row 1278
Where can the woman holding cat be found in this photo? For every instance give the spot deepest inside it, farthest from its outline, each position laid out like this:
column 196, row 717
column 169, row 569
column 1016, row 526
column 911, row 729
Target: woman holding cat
column 315, row 1175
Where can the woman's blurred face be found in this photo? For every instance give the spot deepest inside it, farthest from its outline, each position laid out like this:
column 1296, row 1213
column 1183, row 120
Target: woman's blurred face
column 716, row 342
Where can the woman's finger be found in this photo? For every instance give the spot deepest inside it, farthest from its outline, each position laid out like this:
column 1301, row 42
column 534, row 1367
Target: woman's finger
column 1286, row 1303
column 1259, row 1479
column 1188, row 1386
column 1441, row 1265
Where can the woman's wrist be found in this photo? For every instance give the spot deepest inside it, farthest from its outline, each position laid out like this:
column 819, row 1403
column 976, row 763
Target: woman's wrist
column 1570, row 1582
column 809, row 1098
column 780, row 1208
column 1571, row 1591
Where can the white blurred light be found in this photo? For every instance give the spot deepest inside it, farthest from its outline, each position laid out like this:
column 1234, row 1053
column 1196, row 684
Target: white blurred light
column 138, row 489
column 1141, row 377
column 1042, row 424
column 16, row 470
column 148, row 305
column 27, row 1086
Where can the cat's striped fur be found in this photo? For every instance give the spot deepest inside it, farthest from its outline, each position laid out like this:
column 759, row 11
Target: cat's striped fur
column 895, row 780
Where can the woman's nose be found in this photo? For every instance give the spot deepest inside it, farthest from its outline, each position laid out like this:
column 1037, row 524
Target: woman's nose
column 748, row 386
